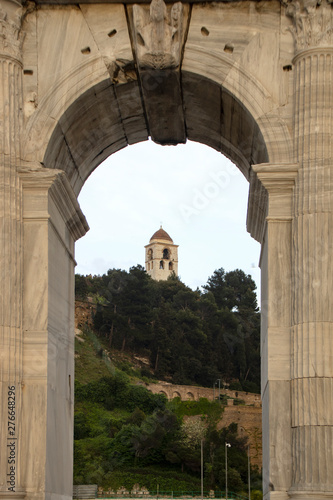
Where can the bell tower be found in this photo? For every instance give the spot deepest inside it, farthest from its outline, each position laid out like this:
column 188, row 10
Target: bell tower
column 161, row 256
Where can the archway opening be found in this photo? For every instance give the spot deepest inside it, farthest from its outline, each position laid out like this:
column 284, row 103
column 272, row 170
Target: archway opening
column 202, row 202
column 106, row 118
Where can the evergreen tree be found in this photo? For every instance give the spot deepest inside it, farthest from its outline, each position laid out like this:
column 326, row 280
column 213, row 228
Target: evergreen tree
column 189, row 336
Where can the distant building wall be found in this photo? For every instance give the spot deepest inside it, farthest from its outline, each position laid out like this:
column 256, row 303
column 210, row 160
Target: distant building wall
column 189, row 392
column 247, row 417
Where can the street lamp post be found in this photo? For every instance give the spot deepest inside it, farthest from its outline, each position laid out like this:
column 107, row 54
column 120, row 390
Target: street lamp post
column 249, row 470
column 201, row 469
column 227, row 445
column 219, row 382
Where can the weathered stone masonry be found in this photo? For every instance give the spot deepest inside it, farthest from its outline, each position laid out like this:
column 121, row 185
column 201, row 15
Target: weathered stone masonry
column 252, row 79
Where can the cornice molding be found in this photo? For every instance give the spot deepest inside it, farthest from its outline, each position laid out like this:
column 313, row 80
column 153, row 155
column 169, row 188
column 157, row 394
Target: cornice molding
column 55, row 182
column 276, row 177
column 279, row 181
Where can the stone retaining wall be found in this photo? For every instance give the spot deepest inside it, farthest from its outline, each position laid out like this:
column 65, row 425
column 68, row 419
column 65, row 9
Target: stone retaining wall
column 247, row 417
column 194, row 393
column 85, row 491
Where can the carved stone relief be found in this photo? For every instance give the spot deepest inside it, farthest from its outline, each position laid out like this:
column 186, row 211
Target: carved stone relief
column 312, row 22
column 121, row 70
column 158, row 34
column 11, row 35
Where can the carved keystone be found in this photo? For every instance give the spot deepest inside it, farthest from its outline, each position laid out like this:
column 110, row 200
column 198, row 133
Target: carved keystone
column 158, row 34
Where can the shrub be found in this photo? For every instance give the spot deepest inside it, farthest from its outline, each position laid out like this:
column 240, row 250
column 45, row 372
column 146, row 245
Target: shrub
column 238, row 402
column 235, row 386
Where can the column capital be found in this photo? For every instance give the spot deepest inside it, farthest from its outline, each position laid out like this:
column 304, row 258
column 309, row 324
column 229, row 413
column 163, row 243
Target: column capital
column 279, row 181
column 276, row 177
column 11, row 34
column 56, row 184
column 311, row 22
column 12, row 15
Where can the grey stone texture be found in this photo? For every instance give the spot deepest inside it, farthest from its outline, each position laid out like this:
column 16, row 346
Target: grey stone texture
column 252, row 79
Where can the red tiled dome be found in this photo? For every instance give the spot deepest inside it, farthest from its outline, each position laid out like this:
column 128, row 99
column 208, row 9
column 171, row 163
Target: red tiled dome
column 161, row 235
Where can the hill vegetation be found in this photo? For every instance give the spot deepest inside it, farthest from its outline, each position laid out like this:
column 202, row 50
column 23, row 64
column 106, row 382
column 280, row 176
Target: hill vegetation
column 189, row 337
column 125, row 435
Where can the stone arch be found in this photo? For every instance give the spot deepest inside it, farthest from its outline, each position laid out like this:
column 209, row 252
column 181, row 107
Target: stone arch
column 94, row 126
column 190, row 396
column 258, row 94
column 247, row 76
column 164, row 394
column 106, row 117
column 48, row 127
column 244, row 74
column 236, row 120
column 79, row 112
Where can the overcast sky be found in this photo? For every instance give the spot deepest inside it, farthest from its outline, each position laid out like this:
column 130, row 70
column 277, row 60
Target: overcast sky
column 198, row 196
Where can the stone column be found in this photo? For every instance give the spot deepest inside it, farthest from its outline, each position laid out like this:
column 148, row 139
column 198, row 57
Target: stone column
column 52, row 222
column 40, row 220
column 10, row 248
column 312, row 334
column 276, row 291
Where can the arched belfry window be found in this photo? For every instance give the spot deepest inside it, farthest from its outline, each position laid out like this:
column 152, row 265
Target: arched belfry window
column 150, row 254
column 161, row 264
column 166, row 254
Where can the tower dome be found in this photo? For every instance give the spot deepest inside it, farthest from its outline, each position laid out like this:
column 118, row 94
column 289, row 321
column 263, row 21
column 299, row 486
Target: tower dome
column 161, row 235
column 161, row 256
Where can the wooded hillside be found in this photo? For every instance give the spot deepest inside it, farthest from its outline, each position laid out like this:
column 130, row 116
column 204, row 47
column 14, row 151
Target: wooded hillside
column 189, row 337
column 125, row 435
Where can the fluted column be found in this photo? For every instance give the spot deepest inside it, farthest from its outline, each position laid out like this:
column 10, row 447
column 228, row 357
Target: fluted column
column 312, row 333
column 10, row 246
